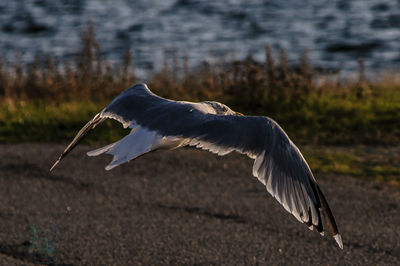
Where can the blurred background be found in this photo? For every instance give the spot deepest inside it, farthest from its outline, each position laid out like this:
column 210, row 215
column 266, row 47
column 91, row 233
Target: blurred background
column 334, row 33
column 326, row 71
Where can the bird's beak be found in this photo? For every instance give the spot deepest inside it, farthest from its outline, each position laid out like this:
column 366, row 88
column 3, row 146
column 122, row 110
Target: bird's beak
column 237, row 113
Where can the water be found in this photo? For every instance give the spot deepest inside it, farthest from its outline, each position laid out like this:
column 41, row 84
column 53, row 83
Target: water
column 336, row 33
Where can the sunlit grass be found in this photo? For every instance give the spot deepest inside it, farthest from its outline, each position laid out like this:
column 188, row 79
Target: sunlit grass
column 48, row 122
column 49, row 100
column 366, row 162
column 44, row 122
column 326, row 120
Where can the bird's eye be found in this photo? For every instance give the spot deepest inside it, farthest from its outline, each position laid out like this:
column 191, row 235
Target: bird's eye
column 224, row 109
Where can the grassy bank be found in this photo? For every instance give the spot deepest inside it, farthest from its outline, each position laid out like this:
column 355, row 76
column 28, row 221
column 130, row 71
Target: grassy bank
column 49, row 122
column 315, row 121
column 49, row 100
column 366, row 162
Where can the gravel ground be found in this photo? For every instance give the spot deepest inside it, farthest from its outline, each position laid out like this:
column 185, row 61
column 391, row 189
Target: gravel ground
column 177, row 207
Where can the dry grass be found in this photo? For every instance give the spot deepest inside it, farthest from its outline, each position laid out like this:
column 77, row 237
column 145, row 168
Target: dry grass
column 87, row 77
column 313, row 107
column 247, row 83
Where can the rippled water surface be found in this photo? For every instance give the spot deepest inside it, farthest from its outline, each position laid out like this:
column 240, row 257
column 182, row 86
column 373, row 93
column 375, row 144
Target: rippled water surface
column 335, row 33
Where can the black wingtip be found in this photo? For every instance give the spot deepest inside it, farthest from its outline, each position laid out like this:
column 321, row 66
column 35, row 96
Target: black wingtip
column 330, row 219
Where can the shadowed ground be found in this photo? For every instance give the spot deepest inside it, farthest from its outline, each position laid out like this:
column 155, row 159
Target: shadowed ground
column 177, row 207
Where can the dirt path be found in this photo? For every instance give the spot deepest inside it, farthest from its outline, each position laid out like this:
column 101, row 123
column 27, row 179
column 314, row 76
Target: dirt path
column 177, row 207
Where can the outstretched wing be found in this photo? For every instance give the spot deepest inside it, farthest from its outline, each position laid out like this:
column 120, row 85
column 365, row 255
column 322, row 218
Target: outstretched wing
column 278, row 164
column 134, row 100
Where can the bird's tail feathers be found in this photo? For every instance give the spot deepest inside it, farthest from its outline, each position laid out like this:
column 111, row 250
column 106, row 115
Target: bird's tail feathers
column 136, row 143
column 101, row 150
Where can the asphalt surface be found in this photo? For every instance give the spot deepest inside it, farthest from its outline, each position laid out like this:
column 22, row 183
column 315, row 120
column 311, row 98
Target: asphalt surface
column 177, row 207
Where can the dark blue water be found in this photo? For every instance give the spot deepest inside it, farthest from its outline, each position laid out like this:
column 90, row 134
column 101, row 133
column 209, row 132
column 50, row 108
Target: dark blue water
column 336, row 33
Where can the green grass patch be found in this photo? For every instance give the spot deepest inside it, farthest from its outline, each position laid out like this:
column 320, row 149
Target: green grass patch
column 43, row 122
column 47, row 122
column 315, row 121
column 366, row 162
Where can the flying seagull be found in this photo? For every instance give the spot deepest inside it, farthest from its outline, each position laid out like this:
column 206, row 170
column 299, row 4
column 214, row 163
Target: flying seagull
column 159, row 123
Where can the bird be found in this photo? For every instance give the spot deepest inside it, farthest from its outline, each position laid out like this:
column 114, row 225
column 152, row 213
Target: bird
column 158, row 123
